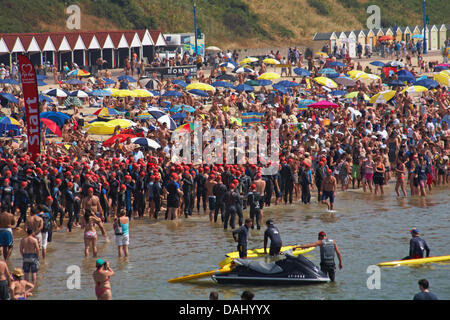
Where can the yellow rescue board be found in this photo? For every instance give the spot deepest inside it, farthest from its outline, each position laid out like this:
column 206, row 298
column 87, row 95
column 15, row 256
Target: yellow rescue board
column 254, row 253
column 411, row 262
column 226, row 268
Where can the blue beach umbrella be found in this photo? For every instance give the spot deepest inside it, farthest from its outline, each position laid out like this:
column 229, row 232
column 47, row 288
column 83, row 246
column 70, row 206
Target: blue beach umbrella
column 302, row 72
column 288, row 84
column 10, row 97
column 198, row 92
column 108, row 81
column 337, row 64
column 244, row 87
column 126, row 78
column 172, row 93
column 179, row 83
column 222, row 84
column 377, row 63
column 264, row 83
column 45, row 98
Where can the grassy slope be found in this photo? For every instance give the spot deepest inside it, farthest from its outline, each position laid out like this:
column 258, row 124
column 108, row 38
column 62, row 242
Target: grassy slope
column 227, row 23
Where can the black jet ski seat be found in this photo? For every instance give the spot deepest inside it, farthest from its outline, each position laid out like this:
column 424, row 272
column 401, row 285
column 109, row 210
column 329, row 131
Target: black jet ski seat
column 260, row 266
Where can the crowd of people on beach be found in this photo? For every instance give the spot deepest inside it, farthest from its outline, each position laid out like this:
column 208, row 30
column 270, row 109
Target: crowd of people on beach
column 81, row 183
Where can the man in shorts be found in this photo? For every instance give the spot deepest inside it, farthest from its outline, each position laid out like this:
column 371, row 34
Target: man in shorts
column 7, row 222
column 29, row 249
column 329, row 189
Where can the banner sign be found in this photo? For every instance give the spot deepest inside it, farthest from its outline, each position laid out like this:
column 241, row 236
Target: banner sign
column 30, row 96
column 176, row 71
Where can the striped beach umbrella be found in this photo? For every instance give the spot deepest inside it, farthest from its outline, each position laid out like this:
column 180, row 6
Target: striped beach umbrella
column 200, row 86
column 442, row 78
column 324, row 81
column 382, row 97
column 249, row 60
column 55, row 93
column 414, row 89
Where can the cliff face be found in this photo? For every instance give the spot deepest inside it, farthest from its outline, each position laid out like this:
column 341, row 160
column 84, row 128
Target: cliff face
column 226, row 23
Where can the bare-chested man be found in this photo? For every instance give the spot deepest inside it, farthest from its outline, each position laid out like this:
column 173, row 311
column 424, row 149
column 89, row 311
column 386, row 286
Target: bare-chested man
column 7, row 222
column 260, row 187
column 35, row 223
column 20, row 289
column 30, row 251
column 92, row 203
column 5, row 279
column 329, row 186
column 209, row 185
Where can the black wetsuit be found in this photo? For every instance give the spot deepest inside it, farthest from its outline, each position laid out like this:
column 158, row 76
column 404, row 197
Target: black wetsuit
column 219, row 191
column 200, row 181
column 418, row 248
column 319, row 176
column 288, row 182
column 232, row 200
column 273, row 234
column 304, row 182
column 242, row 239
column 188, row 195
column 255, row 202
column 22, row 201
column 69, row 198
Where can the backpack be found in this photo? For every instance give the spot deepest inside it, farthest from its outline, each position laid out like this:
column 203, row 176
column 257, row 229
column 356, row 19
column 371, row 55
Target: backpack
column 47, row 222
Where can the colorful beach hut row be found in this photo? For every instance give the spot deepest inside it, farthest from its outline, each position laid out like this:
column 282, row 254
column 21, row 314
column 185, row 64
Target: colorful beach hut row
column 83, row 48
column 436, row 36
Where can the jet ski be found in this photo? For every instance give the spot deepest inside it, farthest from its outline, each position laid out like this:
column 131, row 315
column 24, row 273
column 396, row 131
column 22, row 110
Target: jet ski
column 288, row 270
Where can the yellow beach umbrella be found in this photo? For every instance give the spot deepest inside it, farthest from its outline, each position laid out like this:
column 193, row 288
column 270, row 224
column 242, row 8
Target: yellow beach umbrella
column 141, row 93
column 363, row 75
column 323, row 54
column 100, row 127
column 200, row 86
column 442, row 79
column 414, row 89
column 271, row 61
column 248, row 60
column 355, row 73
column 324, row 81
column 123, row 93
column 382, row 97
column 269, row 76
column 354, row 94
column 123, row 123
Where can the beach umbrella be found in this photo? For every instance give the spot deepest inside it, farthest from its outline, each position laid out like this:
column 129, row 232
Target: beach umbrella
column 323, row 105
column 302, row 104
column 338, row 93
column 396, row 83
column 442, row 79
column 243, row 70
column 354, row 73
column 10, row 97
column 59, row 117
column 324, row 81
column 222, row 84
column 414, row 89
column 323, row 54
column 45, row 98
column 327, row 71
column 10, row 81
column 123, row 123
column 146, row 142
column 227, row 77
column 179, row 83
column 168, row 121
column 123, row 93
column 337, row 64
column 288, row 84
column 108, row 81
column 264, row 83
column 229, row 65
column 354, row 94
column 156, row 112
column 269, row 76
column 199, row 93
column 72, row 101
column 427, row 83
column 377, row 63
column 248, row 60
column 440, row 68
column 55, row 93
column 302, row 72
column 243, row 87
column 187, row 127
column 345, row 81
column 126, row 78
column 395, row 64
column 100, row 128
column 74, row 82
column 78, row 73
column 141, row 93
column 385, row 38
column 417, row 36
column 365, row 76
column 179, row 107
column 213, row 48
column 253, row 83
column 150, row 83
column 281, row 89
column 9, row 121
column 332, row 75
column 101, row 93
column 52, row 126
column 382, row 97
column 106, row 112
column 179, row 116
column 200, row 86
column 121, row 137
column 271, row 61
column 405, row 75
column 79, row 94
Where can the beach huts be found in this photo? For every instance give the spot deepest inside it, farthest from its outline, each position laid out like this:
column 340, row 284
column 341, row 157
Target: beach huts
column 436, row 36
column 83, row 48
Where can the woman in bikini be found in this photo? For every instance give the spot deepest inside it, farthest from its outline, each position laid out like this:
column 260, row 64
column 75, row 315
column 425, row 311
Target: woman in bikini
column 90, row 234
column 101, row 276
column 378, row 176
column 400, row 171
